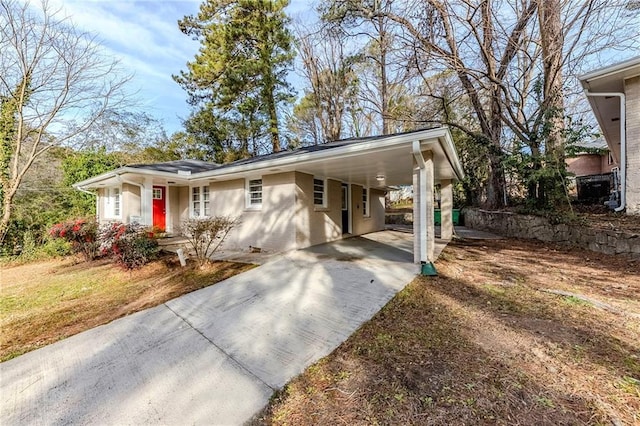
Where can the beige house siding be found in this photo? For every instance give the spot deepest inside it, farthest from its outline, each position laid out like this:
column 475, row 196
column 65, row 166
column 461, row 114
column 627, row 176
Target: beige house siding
column 314, row 224
column 174, row 209
column 130, row 202
column 375, row 220
column 272, row 227
column 287, row 218
column 632, row 91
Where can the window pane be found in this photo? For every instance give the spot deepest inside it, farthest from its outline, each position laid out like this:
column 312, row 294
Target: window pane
column 116, row 201
column 365, row 201
column 318, row 192
column 255, row 191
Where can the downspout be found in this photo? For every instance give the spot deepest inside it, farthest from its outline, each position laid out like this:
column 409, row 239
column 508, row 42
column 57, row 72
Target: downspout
column 623, row 145
column 427, row 267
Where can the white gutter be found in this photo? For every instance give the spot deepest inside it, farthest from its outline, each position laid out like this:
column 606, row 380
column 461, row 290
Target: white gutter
column 623, row 144
column 422, row 213
column 81, row 189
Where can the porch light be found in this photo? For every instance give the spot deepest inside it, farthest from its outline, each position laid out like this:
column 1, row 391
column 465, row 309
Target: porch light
column 380, row 178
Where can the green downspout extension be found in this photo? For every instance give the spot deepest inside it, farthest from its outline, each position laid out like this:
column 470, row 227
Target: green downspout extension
column 428, row 269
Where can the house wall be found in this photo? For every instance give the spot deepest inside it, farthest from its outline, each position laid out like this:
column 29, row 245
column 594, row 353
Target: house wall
column 375, row 221
column 174, row 210
column 314, row 224
column 131, row 205
column 589, row 164
column 632, row 92
column 272, row 227
column 101, row 205
column 287, row 219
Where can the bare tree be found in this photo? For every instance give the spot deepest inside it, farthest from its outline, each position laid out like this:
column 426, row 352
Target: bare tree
column 328, row 67
column 54, row 84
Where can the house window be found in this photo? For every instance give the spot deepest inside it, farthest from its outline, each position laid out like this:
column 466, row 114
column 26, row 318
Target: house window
column 254, row 193
column 319, row 195
column 365, row 202
column 157, row 194
column 206, row 204
column 113, row 202
column 200, row 201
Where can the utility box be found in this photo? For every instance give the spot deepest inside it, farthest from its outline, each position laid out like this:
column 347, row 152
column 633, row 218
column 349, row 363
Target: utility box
column 438, row 217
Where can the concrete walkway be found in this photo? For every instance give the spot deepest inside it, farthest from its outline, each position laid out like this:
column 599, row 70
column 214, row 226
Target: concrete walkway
column 216, row 355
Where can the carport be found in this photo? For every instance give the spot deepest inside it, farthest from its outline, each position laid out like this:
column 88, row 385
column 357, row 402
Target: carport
column 421, row 158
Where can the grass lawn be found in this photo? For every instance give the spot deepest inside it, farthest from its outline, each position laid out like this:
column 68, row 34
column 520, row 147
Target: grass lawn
column 510, row 332
column 43, row 302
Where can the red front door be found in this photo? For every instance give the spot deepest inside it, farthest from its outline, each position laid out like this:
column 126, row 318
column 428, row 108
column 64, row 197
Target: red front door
column 159, row 207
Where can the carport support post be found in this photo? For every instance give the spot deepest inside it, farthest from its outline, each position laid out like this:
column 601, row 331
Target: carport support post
column 423, row 226
column 446, row 209
column 146, row 202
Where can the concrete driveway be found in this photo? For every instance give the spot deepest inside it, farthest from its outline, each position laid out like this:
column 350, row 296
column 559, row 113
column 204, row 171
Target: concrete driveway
column 216, row 355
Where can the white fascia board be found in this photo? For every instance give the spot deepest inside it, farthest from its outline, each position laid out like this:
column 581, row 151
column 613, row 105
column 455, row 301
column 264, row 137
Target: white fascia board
column 379, row 145
column 608, row 71
column 452, row 155
column 123, row 170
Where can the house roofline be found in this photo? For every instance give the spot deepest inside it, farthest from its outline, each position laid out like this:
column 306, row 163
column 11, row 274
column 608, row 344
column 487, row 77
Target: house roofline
column 605, row 72
column 426, row 137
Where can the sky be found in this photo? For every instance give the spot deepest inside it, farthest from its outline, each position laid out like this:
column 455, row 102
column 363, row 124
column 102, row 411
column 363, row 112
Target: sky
column 144, row 37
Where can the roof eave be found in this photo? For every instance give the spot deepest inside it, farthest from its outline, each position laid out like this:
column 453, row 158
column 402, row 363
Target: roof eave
column 609, row 71
column 440, row 134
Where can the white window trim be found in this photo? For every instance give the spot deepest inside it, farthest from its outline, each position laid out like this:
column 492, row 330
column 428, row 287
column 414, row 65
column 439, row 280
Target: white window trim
column 366, row 204
column 324, row 193
column 247, row 191
column 202, row 210
column 109, row 202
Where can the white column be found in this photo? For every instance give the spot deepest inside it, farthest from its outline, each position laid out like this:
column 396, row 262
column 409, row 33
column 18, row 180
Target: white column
column 146, row 201
column 417, row 245
column 446, row 210
column 423, row 213
column 429, row 206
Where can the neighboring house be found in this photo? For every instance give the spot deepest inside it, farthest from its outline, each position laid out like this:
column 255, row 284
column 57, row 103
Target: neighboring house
column 614, row 95
column 595, row 171
column 592, row 158
column 291, row 199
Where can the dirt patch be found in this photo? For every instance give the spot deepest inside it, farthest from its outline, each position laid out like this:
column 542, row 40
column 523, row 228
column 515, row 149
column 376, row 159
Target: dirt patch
column 482, row 344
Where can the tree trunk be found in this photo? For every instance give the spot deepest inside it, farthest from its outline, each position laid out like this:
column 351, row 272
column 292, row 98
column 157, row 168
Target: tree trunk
column 552, row 39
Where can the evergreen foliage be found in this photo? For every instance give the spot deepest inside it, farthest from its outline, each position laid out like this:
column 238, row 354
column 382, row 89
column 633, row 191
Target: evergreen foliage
column 238, row 78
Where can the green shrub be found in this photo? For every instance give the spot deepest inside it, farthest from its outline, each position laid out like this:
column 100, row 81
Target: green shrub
column 55, row 247
column 81, row 233
column 130, row 245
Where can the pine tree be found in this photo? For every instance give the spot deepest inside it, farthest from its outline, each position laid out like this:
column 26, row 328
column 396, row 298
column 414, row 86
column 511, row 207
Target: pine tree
column 240, row 70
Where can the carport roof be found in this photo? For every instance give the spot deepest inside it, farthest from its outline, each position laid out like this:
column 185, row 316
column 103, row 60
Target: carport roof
column 607, row 108
column 358, row 160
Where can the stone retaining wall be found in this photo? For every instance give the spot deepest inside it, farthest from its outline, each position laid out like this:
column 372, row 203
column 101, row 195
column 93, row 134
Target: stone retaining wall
column 535, row 227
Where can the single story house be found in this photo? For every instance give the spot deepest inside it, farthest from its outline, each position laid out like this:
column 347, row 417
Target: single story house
column 614, row 95
column 292, row 199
